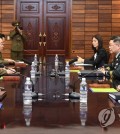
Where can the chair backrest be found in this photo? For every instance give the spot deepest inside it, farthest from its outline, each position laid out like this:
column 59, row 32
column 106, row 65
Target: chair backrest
column 108, row 57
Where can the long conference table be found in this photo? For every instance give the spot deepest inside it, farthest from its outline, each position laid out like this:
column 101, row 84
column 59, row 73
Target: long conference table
column 53, row 107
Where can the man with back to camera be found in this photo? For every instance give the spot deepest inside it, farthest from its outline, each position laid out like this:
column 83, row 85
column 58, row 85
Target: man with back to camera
column 113, row 69
column 4, row 61
column 18, row 38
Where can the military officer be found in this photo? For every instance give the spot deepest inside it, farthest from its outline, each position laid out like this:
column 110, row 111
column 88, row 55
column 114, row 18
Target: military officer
column 3, row 61
column 18, row 38
column 113, row 69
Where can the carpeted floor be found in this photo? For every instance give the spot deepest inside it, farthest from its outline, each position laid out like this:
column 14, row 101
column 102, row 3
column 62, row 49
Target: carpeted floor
column 62, row 130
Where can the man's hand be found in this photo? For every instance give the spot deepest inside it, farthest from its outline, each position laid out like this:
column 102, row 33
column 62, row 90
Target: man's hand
column 102, row 69
column 118, row 88
column 11, row 71
column 9, row 60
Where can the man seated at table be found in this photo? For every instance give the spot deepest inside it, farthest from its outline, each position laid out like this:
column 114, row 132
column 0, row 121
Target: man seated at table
column 4, row 61
column 113, row 69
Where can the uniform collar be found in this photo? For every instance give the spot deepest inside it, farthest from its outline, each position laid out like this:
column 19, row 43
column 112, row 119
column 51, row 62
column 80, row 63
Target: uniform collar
column 117, row 55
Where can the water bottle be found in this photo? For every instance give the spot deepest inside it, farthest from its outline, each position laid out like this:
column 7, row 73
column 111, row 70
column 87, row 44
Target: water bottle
column 33, row 70
column 83, row 113
column 27, row 111
column 27, row 95
column 35, row 60
column 28, row 85
column 83, row 91
column 67, row 82
column 40, row 65
column 67, row 70
column 56, row 63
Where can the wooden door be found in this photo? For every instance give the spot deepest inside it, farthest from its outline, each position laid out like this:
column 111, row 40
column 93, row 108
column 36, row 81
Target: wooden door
column 47, row 25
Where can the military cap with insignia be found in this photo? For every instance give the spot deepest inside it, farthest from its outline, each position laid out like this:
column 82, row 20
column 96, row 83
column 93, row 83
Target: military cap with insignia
column 15, row 23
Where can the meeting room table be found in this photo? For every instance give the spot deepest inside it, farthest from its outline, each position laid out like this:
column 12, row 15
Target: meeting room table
column 52, row 106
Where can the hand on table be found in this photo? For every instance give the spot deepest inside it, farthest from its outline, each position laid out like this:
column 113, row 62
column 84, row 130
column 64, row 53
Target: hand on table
column 80, row 59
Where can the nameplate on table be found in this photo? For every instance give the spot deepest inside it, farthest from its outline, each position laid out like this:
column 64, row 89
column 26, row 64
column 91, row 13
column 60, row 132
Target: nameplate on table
column 81, row 64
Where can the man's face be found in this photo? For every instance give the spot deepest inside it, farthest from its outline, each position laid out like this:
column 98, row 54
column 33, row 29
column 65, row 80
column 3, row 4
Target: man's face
column 114, row 47
column 1, row 44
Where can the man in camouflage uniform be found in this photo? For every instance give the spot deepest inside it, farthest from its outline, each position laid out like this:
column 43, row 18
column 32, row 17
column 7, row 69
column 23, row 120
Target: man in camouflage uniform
column 18, row 38
column 3, row 70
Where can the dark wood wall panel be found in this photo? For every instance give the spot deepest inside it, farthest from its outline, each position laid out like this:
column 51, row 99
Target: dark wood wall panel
column 98, row 18
column 105, row 21
column 88, row 17
column 91, row 17
column 78, row 27
column 116, row 17
column 0, row 15
column 7, row 16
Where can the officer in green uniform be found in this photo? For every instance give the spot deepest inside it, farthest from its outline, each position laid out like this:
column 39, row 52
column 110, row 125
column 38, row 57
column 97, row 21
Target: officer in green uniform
column 18, row 38
column 4, row 61
column 113, row 69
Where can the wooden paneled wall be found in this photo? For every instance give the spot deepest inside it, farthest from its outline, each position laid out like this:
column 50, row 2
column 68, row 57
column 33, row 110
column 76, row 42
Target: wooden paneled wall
column 88, row 17
column 6, row 17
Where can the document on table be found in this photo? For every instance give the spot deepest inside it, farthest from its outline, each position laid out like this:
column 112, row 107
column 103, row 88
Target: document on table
column 74, row 71
column 103, row 90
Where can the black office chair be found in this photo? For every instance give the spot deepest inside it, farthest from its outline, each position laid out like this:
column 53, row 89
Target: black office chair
column 108, row 57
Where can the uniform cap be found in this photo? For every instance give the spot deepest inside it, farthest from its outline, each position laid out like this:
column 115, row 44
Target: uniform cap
column 15, row 23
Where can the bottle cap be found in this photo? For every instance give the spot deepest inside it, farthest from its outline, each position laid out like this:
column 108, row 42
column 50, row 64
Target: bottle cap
column 27, row 78
column 67, row 63
column 82, row 123
column 83, row 79
column 32, row 62
column 27, row 122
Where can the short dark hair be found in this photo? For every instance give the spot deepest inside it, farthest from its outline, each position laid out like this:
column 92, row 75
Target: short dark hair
column 113, row 37
column 117, row 40
column 2, row 35
column 100, row 42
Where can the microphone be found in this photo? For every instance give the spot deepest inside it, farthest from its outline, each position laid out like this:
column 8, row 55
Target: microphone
column 73, row 60
column 72, row 86
column 27, row 61
column 89, row 73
